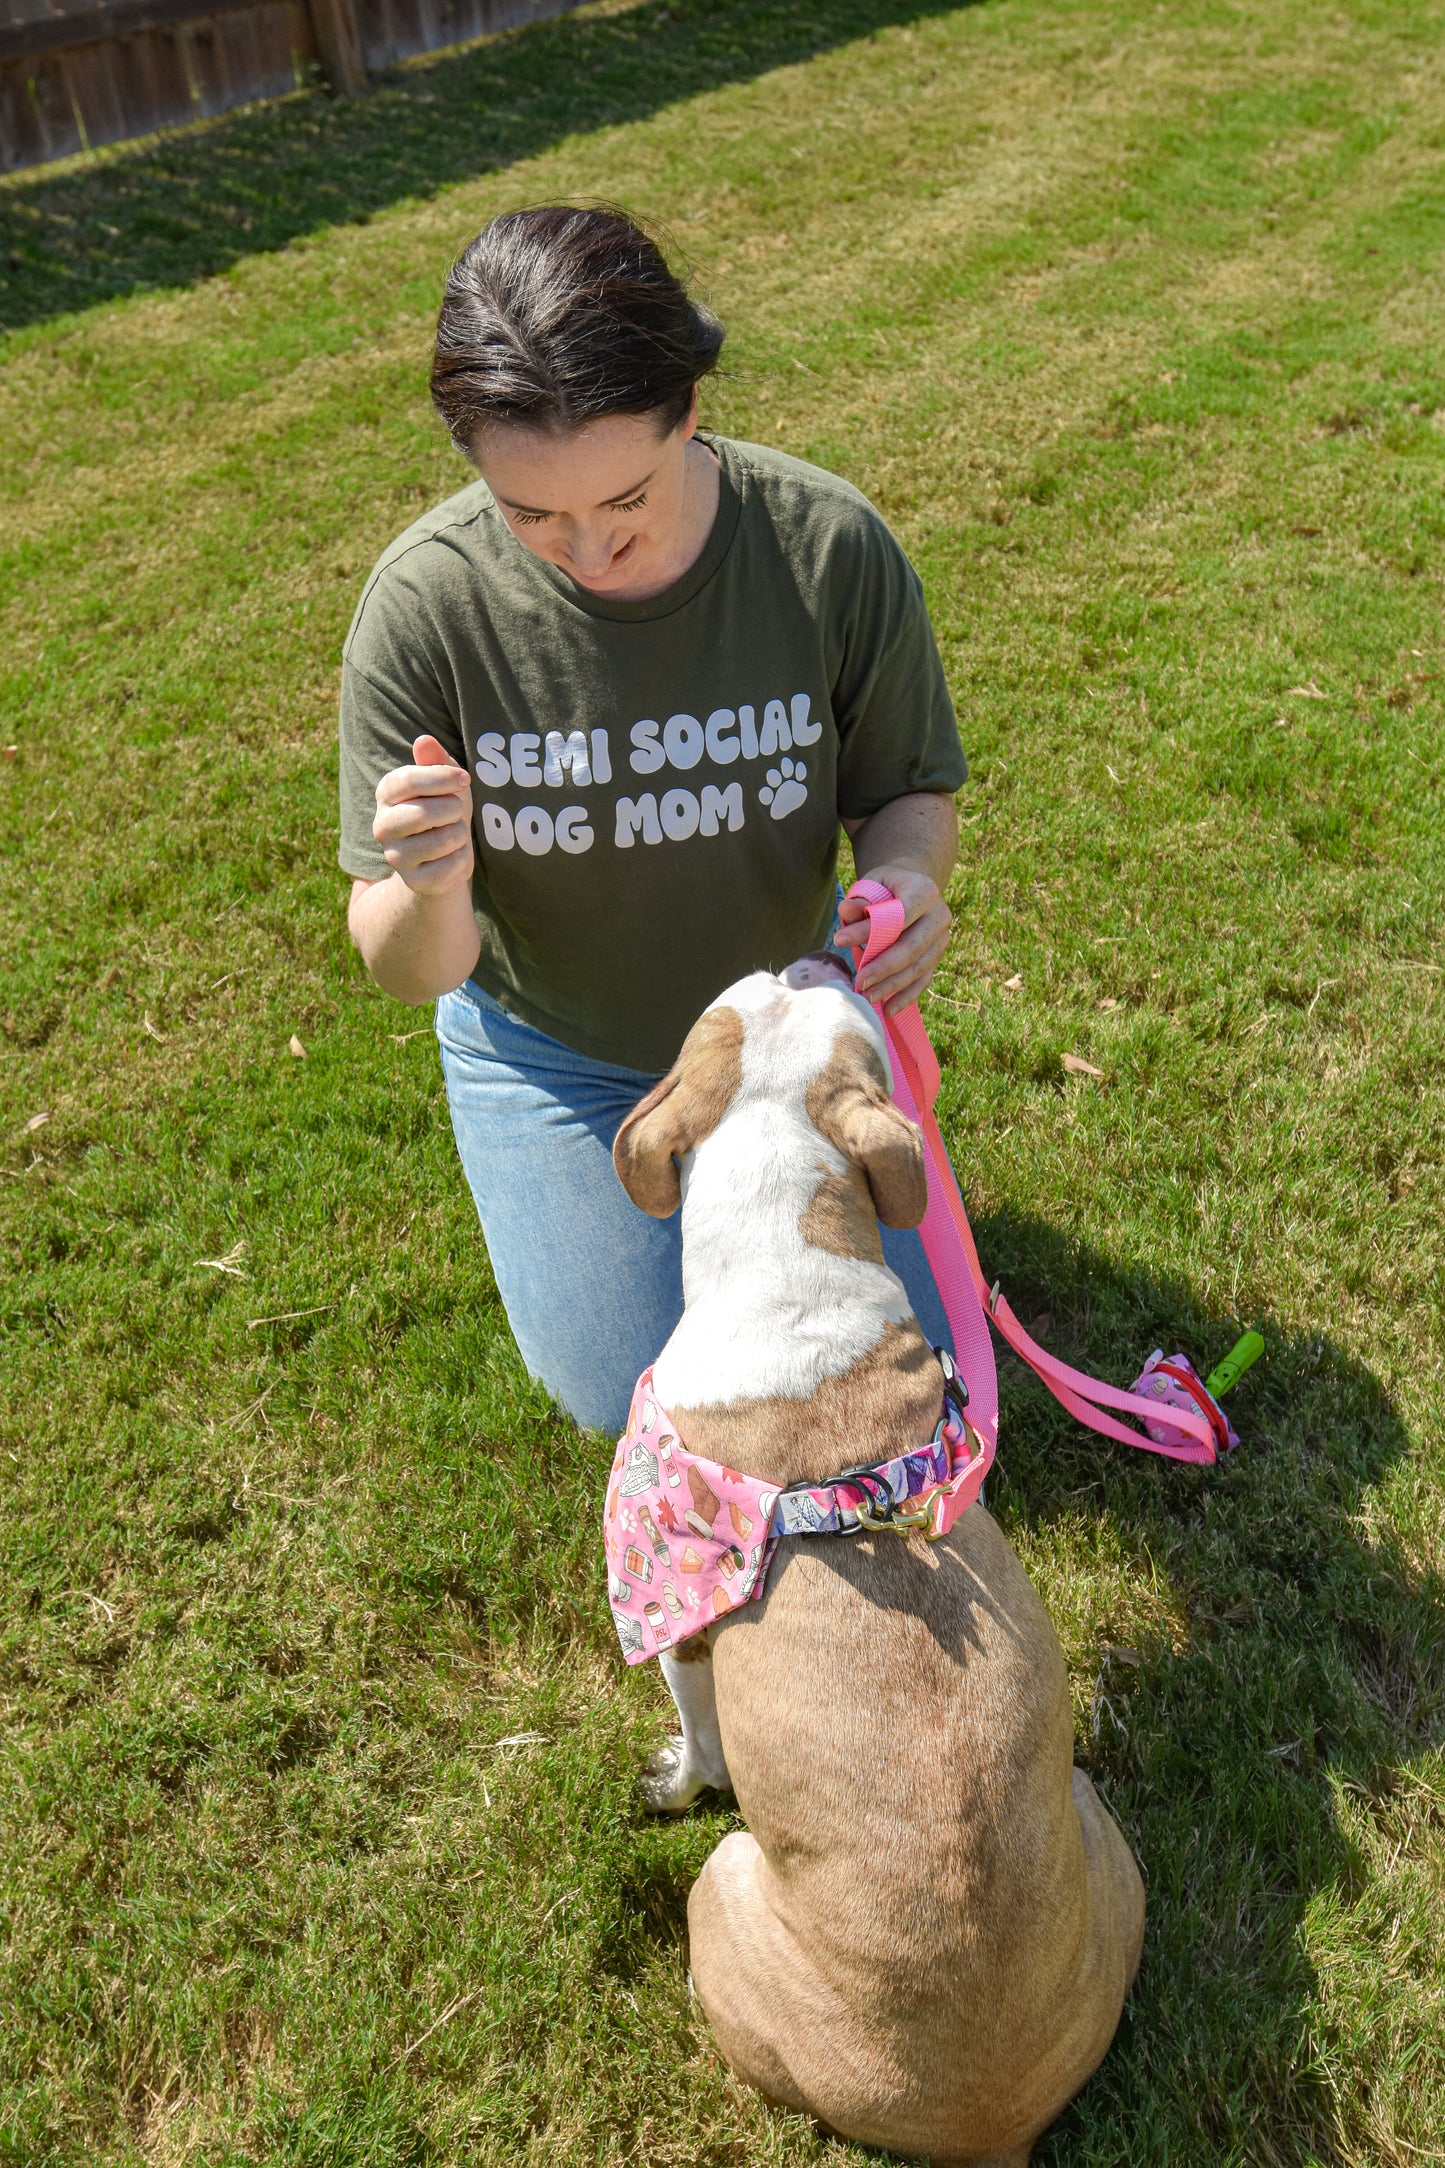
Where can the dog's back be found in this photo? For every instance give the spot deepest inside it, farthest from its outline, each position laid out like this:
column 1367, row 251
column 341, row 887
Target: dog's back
column 934, row 1963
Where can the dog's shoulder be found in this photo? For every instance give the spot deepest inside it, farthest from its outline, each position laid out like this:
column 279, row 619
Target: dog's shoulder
column 887, row 1402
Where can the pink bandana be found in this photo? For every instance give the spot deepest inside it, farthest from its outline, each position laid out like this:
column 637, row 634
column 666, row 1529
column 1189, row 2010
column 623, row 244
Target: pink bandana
column 688, row 1539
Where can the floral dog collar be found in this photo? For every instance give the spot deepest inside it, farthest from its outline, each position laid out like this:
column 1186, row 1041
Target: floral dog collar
column 688, row 1539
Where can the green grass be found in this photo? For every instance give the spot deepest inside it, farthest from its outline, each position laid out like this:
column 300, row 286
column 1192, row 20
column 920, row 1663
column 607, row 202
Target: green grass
column 318, row 1838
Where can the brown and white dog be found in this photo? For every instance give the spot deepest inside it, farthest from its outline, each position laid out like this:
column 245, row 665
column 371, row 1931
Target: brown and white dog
column 925, row 1936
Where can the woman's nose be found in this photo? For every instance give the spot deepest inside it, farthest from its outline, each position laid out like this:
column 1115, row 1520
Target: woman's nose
column 592, row 551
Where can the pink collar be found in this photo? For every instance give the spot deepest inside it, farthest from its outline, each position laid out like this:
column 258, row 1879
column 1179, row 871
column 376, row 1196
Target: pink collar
column 688, row 1539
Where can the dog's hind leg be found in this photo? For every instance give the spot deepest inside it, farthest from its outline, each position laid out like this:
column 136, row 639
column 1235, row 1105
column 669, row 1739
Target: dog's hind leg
column 732, row 1956
column 780, row 2024
column 787, row 2031
column 1089, row 2003
column 694, row 1761
column 1116, row 1900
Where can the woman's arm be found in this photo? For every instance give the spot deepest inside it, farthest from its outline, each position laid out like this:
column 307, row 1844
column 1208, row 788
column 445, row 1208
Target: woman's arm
column 909, row 845
column 416, row 929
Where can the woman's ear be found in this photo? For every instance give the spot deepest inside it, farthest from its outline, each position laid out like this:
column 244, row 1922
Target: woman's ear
column 679, row 1112
column 848, row 1103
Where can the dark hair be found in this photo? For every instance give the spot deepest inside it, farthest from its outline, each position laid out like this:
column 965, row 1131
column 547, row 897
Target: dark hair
column 556, row 316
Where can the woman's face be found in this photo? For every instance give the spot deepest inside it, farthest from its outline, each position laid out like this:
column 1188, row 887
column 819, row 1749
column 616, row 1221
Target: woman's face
column 604, row 503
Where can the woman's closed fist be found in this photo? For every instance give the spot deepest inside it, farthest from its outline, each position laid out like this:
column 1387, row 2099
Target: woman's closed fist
column 424, row 820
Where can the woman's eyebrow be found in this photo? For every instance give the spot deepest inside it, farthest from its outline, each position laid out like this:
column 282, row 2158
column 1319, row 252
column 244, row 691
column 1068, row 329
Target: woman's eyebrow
column 625, row 496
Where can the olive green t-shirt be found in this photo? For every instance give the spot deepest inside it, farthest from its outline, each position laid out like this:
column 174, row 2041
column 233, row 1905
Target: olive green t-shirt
column 657, row 785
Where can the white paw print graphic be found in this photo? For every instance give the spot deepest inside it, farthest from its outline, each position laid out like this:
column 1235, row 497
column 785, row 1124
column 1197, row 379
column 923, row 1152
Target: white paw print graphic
column 786, row 788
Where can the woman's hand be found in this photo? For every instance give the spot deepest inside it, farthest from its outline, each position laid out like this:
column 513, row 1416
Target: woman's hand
column 909, row 846
column 899, row 975
column 424, row 821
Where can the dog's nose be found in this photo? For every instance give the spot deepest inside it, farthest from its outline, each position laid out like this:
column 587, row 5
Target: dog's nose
column 820, row 967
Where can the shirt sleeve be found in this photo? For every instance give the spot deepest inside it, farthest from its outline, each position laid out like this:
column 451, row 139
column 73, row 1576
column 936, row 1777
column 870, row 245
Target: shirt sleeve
column 896, row 727
column 390, row 694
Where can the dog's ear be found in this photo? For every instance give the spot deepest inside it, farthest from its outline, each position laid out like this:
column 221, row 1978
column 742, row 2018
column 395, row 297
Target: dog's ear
column 848, row 1103
column 643, row 1147
column 679, row 1112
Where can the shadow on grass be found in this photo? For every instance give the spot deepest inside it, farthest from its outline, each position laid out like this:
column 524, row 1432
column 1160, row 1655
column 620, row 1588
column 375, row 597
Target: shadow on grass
column 1311, row 1660
column 184, row 206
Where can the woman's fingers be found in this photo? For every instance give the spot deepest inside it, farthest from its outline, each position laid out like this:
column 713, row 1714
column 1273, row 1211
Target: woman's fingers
column 424, row 819
column 907, row 995
column 425, row 845
column 438, row 874
column 916, row 950
column 409, row 801
column 429, row 752
column 418, row 785
column 903, row 996
column 425, row 782
column 926, row 922
column 419, row 817
column 899, row 975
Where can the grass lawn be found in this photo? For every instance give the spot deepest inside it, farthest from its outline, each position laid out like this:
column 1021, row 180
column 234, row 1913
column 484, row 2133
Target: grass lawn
column 318, row 1839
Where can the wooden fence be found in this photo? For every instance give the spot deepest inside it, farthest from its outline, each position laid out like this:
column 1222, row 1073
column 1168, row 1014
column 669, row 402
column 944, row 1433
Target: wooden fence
column 78, row 73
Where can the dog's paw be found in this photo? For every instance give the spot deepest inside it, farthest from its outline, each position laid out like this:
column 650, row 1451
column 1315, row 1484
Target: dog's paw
column 669, row 1784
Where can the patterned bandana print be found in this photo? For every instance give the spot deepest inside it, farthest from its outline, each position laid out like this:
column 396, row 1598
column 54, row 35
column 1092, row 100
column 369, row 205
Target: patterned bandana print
column 688, row 1539
column 1177, row 1384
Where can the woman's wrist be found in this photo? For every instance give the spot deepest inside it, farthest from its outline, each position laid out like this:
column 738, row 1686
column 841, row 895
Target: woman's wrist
column 917, row 834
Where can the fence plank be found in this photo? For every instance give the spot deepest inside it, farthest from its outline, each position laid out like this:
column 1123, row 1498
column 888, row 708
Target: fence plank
column 390, row 30
column 155, row 90
column 90, row 81
column 338, row 44
column 393, row 30
column 261, row 56
column 51, row 110
column 22, row 139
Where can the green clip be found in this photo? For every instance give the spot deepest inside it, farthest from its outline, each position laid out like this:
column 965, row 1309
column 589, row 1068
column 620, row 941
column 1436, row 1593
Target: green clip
column 1236, row 1362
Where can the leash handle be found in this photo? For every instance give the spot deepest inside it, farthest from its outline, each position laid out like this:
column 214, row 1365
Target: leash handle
column 953, row 1255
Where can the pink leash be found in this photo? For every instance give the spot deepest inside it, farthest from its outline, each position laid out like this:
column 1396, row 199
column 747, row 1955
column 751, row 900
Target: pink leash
column 952, row 1253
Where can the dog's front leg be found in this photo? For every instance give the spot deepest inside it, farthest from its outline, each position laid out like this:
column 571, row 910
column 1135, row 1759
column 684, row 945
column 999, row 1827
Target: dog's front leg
column 694, row 1761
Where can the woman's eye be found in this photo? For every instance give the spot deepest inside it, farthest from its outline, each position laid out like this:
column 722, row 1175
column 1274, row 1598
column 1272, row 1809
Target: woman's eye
column 634, row 504
column 529, row 519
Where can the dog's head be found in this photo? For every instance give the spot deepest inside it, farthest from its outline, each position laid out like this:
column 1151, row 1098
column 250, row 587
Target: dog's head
column 809, row 1055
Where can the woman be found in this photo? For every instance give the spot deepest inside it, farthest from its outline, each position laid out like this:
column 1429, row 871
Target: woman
column 602, row 714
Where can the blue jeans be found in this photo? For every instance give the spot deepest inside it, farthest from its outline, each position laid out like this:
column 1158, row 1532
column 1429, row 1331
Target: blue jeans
column 592, row 1287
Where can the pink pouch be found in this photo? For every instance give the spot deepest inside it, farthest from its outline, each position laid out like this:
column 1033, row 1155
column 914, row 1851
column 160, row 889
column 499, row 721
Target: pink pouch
column 1173, row 1382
